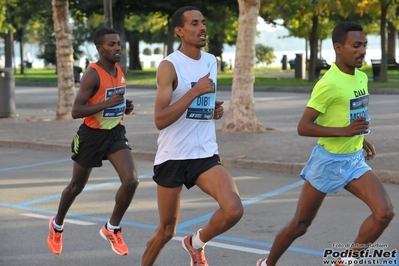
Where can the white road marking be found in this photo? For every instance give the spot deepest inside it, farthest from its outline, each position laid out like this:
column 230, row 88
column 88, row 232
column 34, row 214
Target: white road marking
column 71, row 221
column 177, row 238
column 231, row 247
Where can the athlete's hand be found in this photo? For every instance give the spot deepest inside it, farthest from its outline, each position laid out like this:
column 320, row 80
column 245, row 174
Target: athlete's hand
column 219, row 110
column 116, row 98
column 369, row 149
column 359, row 125
column 129, row 106
column 204, row 85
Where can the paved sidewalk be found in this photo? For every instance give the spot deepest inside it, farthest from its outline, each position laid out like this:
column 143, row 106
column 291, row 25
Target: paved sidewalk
column 280, row 149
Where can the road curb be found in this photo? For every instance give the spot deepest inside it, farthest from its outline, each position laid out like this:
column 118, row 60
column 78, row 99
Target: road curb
column 390, row 177
column 302, row 89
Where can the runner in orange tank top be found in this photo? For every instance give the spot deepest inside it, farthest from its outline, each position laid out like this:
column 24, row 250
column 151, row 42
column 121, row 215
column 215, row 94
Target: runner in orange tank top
column 101, row 103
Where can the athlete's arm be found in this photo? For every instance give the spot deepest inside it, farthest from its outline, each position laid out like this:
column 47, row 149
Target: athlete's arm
column 219, row 110
column 165, row 113
column 88, row 87
column 308, row 127
column 369, row 149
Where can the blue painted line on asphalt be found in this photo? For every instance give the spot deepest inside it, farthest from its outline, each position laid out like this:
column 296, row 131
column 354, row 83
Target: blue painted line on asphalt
column 94, row 187
column 75, row 216
column 206, row 217
column 33, row 165
column 180, row 227
column 153, row 227
column 256, row 243
column 273, row 193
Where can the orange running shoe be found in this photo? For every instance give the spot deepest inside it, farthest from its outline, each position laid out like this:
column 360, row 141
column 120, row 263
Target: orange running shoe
column 116, row 240
column 197, row 256
column 54, row 238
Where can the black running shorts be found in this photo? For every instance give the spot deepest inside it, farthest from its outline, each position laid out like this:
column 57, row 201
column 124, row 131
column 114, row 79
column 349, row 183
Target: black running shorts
column 90, row 146
column 175, row 173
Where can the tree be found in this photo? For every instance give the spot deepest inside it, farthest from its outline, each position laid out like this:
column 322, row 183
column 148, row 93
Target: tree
column 63, row 37
column 147, row 51
column 222, row 24
column 264, row 54
column 220, row 16
column 318, row 17
column 7, row 31
column 150, row 28
column 241, row 114
column 158, row 50
column 387, row 7
column 22, row 14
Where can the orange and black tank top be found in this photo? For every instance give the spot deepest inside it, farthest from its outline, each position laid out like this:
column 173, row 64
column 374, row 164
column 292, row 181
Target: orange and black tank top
column 112, row 116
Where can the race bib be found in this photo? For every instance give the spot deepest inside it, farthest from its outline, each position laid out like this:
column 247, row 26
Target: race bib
column 359, row 107
column 117, row 110
column 203, row 107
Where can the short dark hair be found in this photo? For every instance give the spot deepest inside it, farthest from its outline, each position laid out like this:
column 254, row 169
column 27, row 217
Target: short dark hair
column 100, row 33
column 178, row 16
column 340, row 32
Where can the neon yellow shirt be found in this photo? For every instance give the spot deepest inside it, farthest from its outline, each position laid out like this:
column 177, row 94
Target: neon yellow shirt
column 340, row 98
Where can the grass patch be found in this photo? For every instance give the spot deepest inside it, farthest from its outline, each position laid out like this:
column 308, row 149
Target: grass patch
column 137, row 77
column 263, row 77
column 37, row 75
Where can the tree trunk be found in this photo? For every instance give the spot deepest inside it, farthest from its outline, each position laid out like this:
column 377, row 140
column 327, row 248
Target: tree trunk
column 384, row 59
column 313, row 41
column 168, row 49
column 134, row 54
column 63, row 37
column 8, row 47
column 216, row 47
column 108, row 14
column 241, row 114
column 392, row 35
column 21, row 50
column 119, row 26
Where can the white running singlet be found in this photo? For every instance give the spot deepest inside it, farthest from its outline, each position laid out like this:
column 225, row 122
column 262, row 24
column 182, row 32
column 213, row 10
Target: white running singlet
column 193, row 135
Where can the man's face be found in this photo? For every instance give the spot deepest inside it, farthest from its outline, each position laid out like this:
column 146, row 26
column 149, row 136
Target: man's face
column 354, row 49
column 111, row 47
column 194, row 29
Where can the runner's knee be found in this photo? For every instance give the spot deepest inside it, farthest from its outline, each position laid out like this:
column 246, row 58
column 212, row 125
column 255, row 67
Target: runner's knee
column 75, row 188
column 232, row 209
column 131, row 183
column 385, row 216
column 300, row 227
column 166, row 232
column 235, row 214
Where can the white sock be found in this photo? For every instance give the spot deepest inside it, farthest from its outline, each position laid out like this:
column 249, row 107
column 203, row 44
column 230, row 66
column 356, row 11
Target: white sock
column 58, row 227
column 261, row 262
column 196, row 241
column 111, row 227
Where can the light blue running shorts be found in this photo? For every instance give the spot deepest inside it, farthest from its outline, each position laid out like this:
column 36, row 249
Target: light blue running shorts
column 329, row 172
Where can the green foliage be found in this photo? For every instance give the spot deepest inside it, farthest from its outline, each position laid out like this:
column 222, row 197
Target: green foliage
column 158, row 50
column 151, row 28
column 5, row 15
column 48, row 49
column 264, row 54
column 147, row 51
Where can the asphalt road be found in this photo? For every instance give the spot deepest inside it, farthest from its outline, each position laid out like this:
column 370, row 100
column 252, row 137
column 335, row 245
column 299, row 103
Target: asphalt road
column 31, row 182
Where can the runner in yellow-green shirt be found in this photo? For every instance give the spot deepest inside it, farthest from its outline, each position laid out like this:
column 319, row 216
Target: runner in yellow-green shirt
column 337, row 113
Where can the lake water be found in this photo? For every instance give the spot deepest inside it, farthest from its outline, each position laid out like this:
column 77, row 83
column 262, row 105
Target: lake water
column 228, row 57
